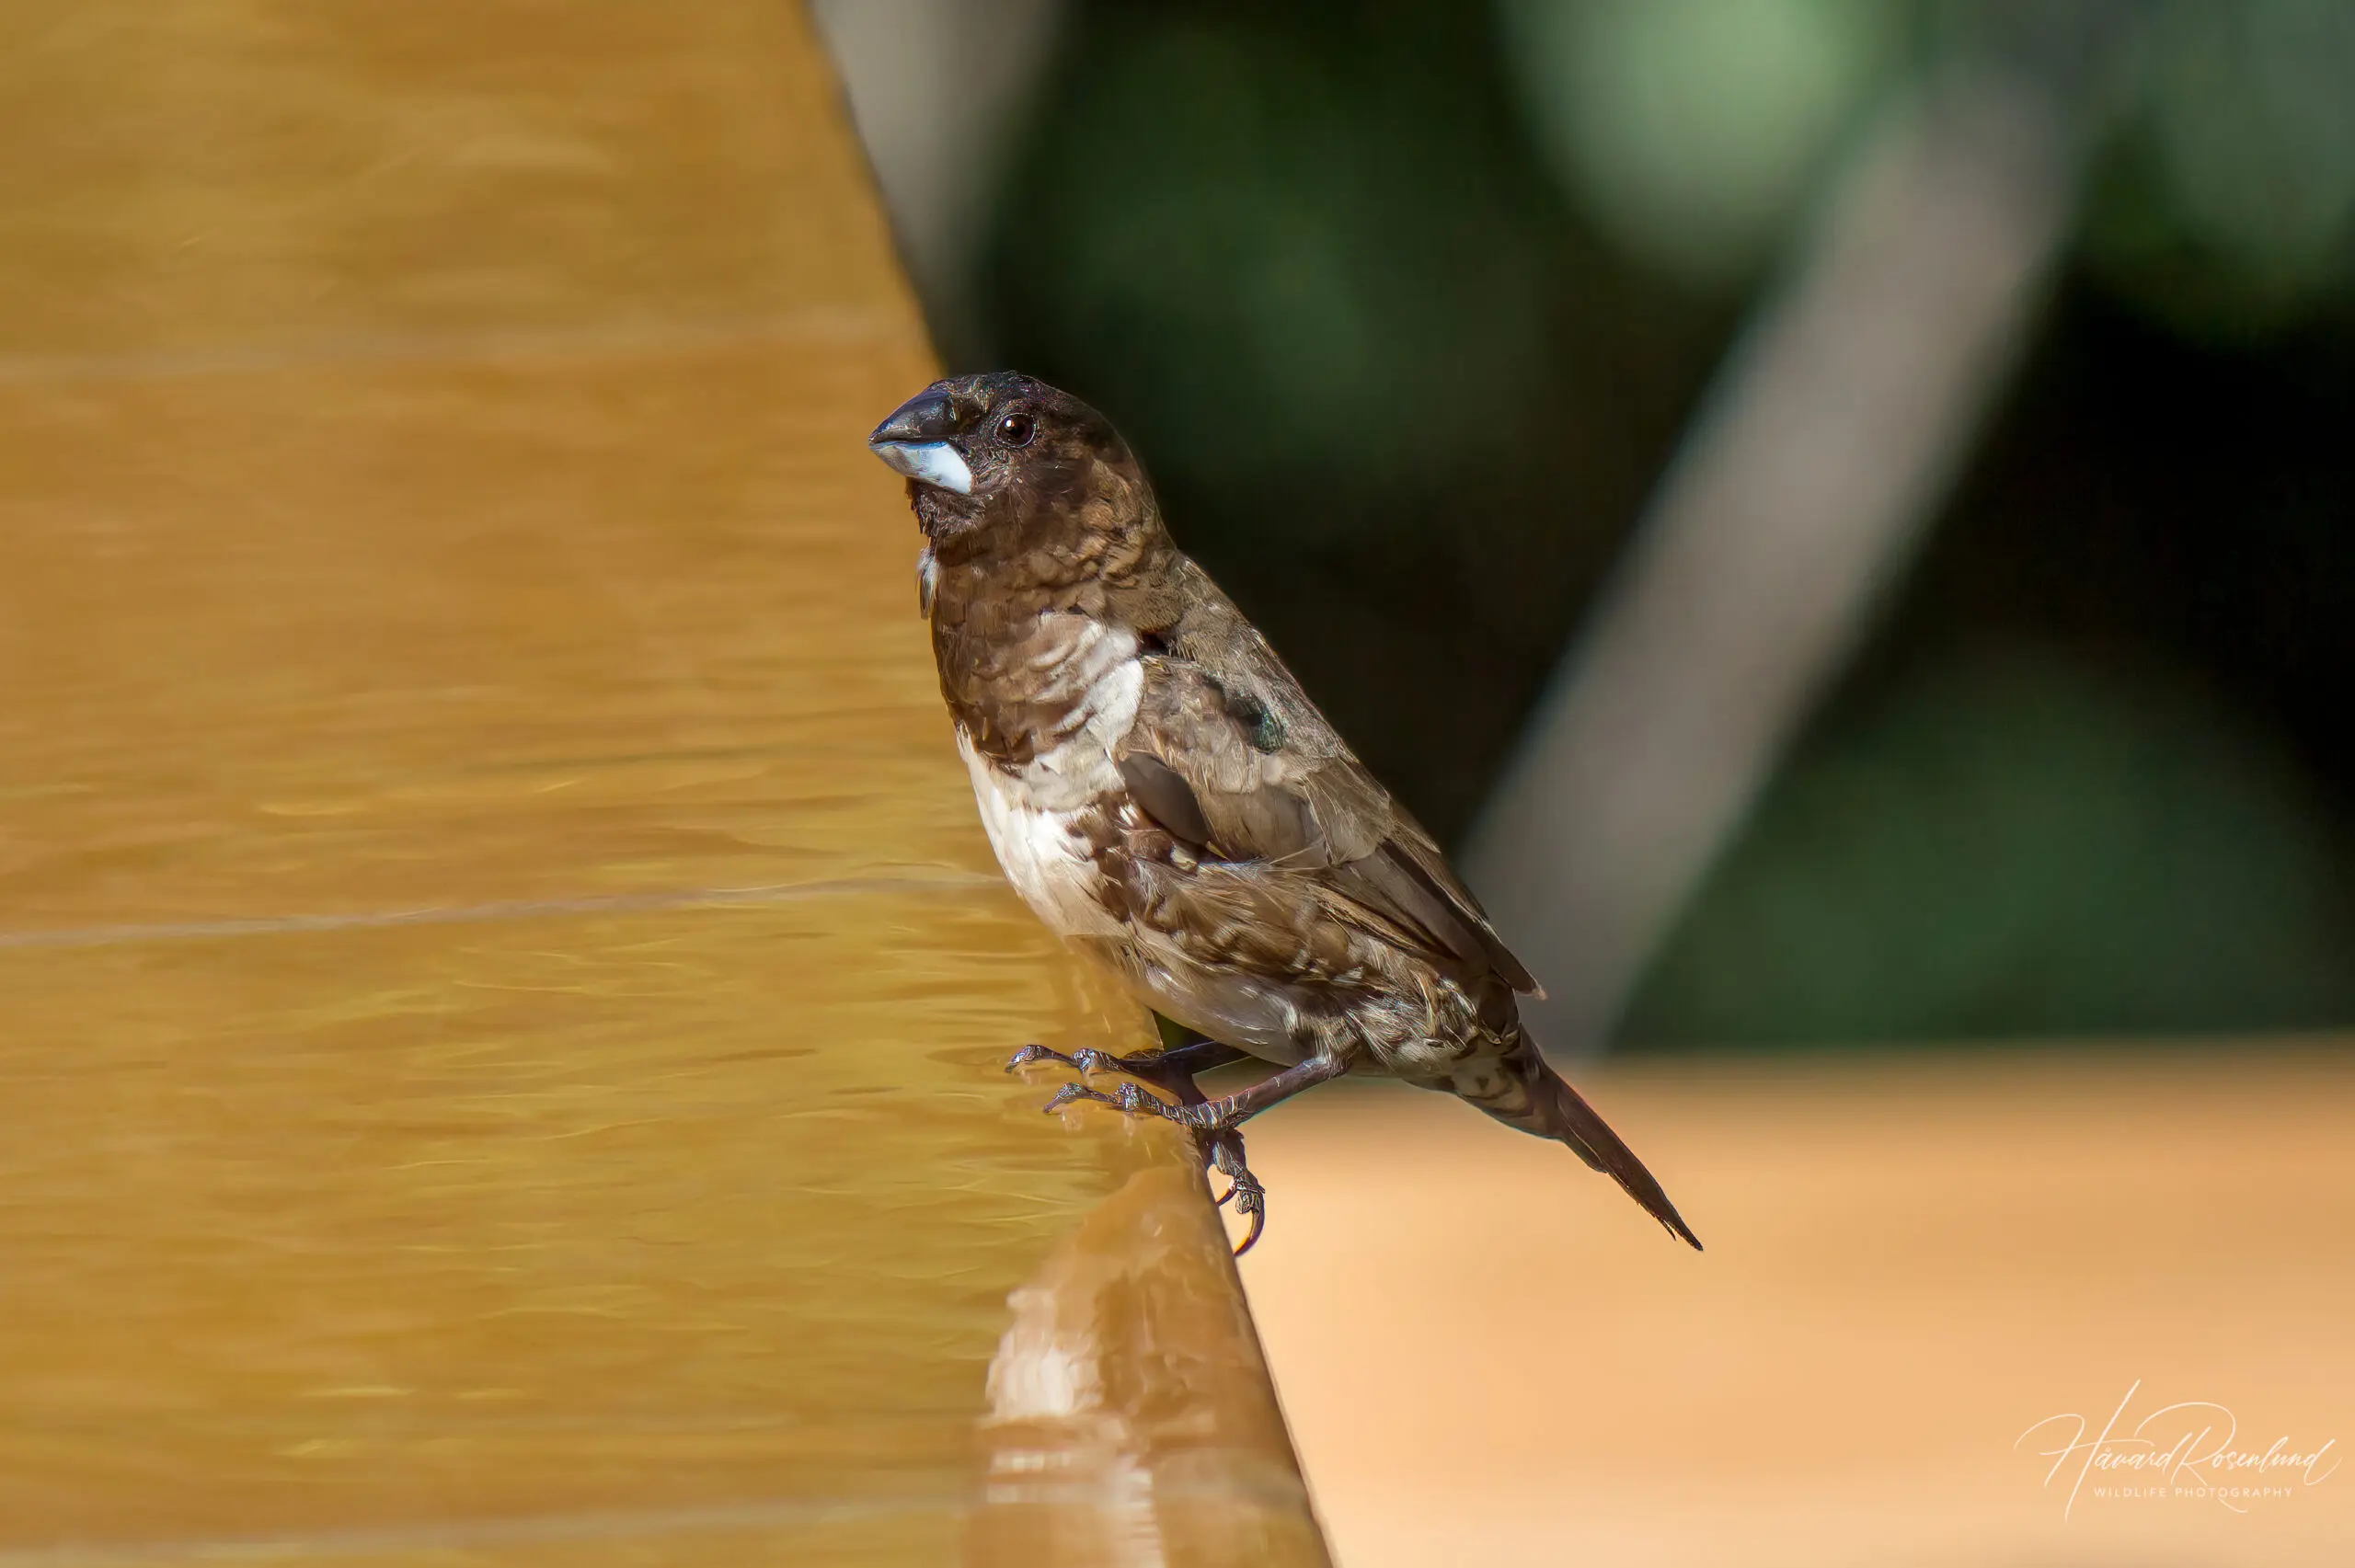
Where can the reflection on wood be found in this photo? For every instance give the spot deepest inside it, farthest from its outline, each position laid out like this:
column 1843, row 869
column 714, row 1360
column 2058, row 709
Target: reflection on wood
column 1131, row 1421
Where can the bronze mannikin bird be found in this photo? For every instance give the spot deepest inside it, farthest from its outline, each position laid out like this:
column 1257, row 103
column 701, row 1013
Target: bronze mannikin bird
column 1164, row 795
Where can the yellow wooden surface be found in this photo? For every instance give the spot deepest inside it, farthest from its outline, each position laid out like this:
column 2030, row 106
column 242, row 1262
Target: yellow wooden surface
column 1490, row 1357
column 501, row 987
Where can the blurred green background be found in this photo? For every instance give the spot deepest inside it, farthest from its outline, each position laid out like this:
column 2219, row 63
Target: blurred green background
column 1407, row 306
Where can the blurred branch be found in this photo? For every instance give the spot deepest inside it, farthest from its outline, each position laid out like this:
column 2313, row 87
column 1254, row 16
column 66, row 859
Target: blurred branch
column 1797, row 497
column 933, row 86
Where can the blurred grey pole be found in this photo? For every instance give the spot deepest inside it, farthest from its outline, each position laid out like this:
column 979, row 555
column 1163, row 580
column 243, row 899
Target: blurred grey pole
column 935, row 86
column 1825, row 444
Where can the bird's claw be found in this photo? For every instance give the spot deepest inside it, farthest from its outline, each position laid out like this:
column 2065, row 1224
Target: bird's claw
column 1248, row 1195
column 1253, row 1202
column 1258, row 1223
column 1031, row 1053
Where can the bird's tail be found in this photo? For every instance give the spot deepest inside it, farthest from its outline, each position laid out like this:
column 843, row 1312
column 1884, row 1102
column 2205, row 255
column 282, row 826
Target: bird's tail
column 1548, row 1107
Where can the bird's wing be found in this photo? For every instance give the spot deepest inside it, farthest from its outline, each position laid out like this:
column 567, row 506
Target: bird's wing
column 1230, row 757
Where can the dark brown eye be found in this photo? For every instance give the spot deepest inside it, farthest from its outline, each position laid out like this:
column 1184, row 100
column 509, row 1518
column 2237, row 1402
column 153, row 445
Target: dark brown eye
column 1014, row 430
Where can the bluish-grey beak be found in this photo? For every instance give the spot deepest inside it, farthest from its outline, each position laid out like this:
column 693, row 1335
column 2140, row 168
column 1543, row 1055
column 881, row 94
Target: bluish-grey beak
column 914, row 441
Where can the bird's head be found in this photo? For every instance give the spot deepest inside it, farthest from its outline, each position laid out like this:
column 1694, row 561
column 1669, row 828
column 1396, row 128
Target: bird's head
column 1003, row 464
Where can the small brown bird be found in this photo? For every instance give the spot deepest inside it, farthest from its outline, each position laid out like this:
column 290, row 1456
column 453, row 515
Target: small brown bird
column 1164, row 797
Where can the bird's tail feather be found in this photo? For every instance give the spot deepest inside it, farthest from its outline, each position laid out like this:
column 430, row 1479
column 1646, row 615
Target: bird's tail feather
column 1553, row 1109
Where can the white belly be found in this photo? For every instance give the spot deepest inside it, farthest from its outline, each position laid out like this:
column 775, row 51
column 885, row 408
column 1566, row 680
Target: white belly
column 1046, row 862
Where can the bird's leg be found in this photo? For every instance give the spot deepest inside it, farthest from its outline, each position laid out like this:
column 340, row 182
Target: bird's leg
column 1219, row 1116
column 1173, row 1069
column 1230, row 1111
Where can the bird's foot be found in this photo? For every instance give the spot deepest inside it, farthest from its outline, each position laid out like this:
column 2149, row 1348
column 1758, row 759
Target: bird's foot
column 1086, row 1060
column 1146, row 1065
column 1222, row 1147
column 1124, row 1097
column 1215, row 1134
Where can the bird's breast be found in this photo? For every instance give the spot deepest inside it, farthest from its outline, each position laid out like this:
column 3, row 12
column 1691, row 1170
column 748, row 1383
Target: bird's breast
column 1051, row 812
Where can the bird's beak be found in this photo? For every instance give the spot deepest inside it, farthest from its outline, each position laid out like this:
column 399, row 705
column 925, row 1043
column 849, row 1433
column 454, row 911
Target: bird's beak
column 914, row 440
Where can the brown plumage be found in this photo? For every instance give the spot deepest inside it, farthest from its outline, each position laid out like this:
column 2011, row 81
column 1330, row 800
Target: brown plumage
column 1164, row 795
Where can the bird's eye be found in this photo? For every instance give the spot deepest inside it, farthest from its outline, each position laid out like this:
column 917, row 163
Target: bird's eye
column 1014, row 430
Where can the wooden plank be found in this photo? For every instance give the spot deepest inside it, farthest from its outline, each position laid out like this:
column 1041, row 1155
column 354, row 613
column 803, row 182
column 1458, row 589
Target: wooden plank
column 504, row 990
